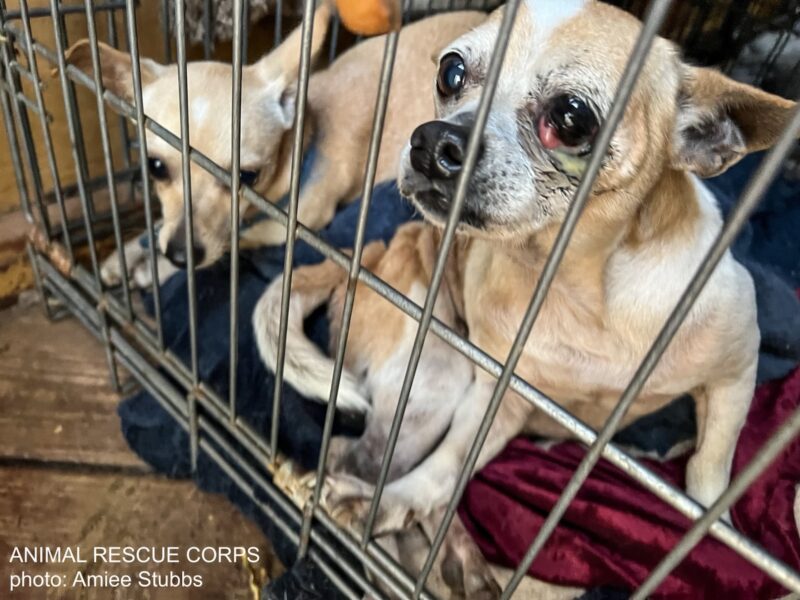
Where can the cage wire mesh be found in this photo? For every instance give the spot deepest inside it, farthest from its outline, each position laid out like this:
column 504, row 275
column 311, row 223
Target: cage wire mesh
column 84, row 204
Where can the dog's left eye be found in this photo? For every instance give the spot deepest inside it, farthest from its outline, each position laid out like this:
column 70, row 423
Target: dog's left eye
column 452, row 74
column 248, row 178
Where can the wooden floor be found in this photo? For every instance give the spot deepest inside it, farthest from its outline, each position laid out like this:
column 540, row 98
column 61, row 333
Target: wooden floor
column 67, row 478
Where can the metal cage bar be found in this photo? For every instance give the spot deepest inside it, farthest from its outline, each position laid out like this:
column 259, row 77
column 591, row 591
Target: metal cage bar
column 44, row 123
column 278, row 32
column 136, row 73
column 38, row 13
column 745, row 547
column 107, row 157
column 723, row 241
column 21, row 117
column 379, row 117
column 76, row 140
column 205, row 415
column 457, row 203
column 113, row 40
column 236, row 138
column 13, row 149
column 183, row 91
column 291, row 224
column 639, row 54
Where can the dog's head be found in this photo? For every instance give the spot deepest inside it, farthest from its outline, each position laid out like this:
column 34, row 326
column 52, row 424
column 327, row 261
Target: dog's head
column 268, row 98
column 564, row 61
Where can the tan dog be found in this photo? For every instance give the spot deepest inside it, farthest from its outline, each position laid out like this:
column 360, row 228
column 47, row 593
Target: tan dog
column 644, row 231
column 339, row 120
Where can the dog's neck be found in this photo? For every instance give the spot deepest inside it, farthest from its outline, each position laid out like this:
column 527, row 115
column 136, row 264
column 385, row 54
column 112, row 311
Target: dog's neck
column 281, row 181
column 665, row 218
column 668, row 213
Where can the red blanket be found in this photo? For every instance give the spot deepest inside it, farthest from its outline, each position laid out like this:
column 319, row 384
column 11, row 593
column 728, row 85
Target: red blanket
column 615, row 531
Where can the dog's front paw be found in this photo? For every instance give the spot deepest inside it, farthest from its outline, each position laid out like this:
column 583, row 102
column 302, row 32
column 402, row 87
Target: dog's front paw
column 706, row 484
column 137, row 266
column 349, row 498
column 469, row 578
column 464, row 569
column 110, row 271
column 143, row 273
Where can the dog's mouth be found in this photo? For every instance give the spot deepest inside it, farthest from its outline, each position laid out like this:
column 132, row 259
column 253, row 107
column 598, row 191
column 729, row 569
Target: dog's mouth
column 435, row 206
column 434, row 198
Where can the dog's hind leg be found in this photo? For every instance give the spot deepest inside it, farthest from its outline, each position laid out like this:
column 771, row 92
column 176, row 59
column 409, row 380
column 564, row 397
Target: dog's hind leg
column 315, row 209
column 414, row 496
column 722, row 410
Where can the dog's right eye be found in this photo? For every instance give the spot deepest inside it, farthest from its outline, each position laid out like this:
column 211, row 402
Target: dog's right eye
column 452, row 74
column 569, row 122
column 157, row 168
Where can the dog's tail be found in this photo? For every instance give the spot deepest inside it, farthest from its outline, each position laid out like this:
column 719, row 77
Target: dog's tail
column 306, row 367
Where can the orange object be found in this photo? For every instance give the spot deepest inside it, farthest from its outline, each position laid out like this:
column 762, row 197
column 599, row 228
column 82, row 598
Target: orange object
column 369, row 17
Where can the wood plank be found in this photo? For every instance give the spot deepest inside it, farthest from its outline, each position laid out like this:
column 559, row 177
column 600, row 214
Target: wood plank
column 56, row 399
column 45, row 507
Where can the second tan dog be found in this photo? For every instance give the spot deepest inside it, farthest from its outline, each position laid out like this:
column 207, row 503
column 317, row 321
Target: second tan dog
column 646, row 227
column 339, row 119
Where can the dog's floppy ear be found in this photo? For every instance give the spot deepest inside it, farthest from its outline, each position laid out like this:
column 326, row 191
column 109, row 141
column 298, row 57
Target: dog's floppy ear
column 279, row 70
column 721, row 120
column 115, row 67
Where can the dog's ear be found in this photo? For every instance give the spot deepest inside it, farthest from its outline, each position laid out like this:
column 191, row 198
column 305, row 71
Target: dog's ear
column 115, row 67
column 721, row 120
column 279, row 70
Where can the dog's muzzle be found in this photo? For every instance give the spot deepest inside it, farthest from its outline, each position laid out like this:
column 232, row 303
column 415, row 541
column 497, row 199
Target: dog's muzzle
column 437, row 152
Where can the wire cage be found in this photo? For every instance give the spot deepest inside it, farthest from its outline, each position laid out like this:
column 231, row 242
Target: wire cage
column 81, row 211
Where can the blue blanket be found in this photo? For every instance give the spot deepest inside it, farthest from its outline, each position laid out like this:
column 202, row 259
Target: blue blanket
column 769, row 248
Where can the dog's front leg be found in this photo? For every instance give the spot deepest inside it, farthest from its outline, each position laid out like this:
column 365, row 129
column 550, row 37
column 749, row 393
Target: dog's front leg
column 414, row 496
column 721, row 413
column 135, row 254
column 137, row 263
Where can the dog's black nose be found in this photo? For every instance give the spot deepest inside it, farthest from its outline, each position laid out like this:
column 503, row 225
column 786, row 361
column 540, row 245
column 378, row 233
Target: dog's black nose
column 438, row 149
column 176, row 252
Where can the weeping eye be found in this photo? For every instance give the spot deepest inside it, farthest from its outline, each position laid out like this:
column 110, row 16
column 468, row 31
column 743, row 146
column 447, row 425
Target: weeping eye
column 452, row 74
column 157, row 168
column 568, row 122
column 248, row 178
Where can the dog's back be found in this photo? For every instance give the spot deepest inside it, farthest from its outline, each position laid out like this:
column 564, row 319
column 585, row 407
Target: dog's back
column 344, row 93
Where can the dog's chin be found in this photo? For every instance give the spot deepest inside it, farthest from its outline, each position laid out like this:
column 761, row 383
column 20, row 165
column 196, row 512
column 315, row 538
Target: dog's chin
column 434, row 205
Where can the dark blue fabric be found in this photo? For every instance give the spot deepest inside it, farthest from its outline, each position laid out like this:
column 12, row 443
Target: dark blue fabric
column 160, row 441
column 300, row 426
column 770, row 248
